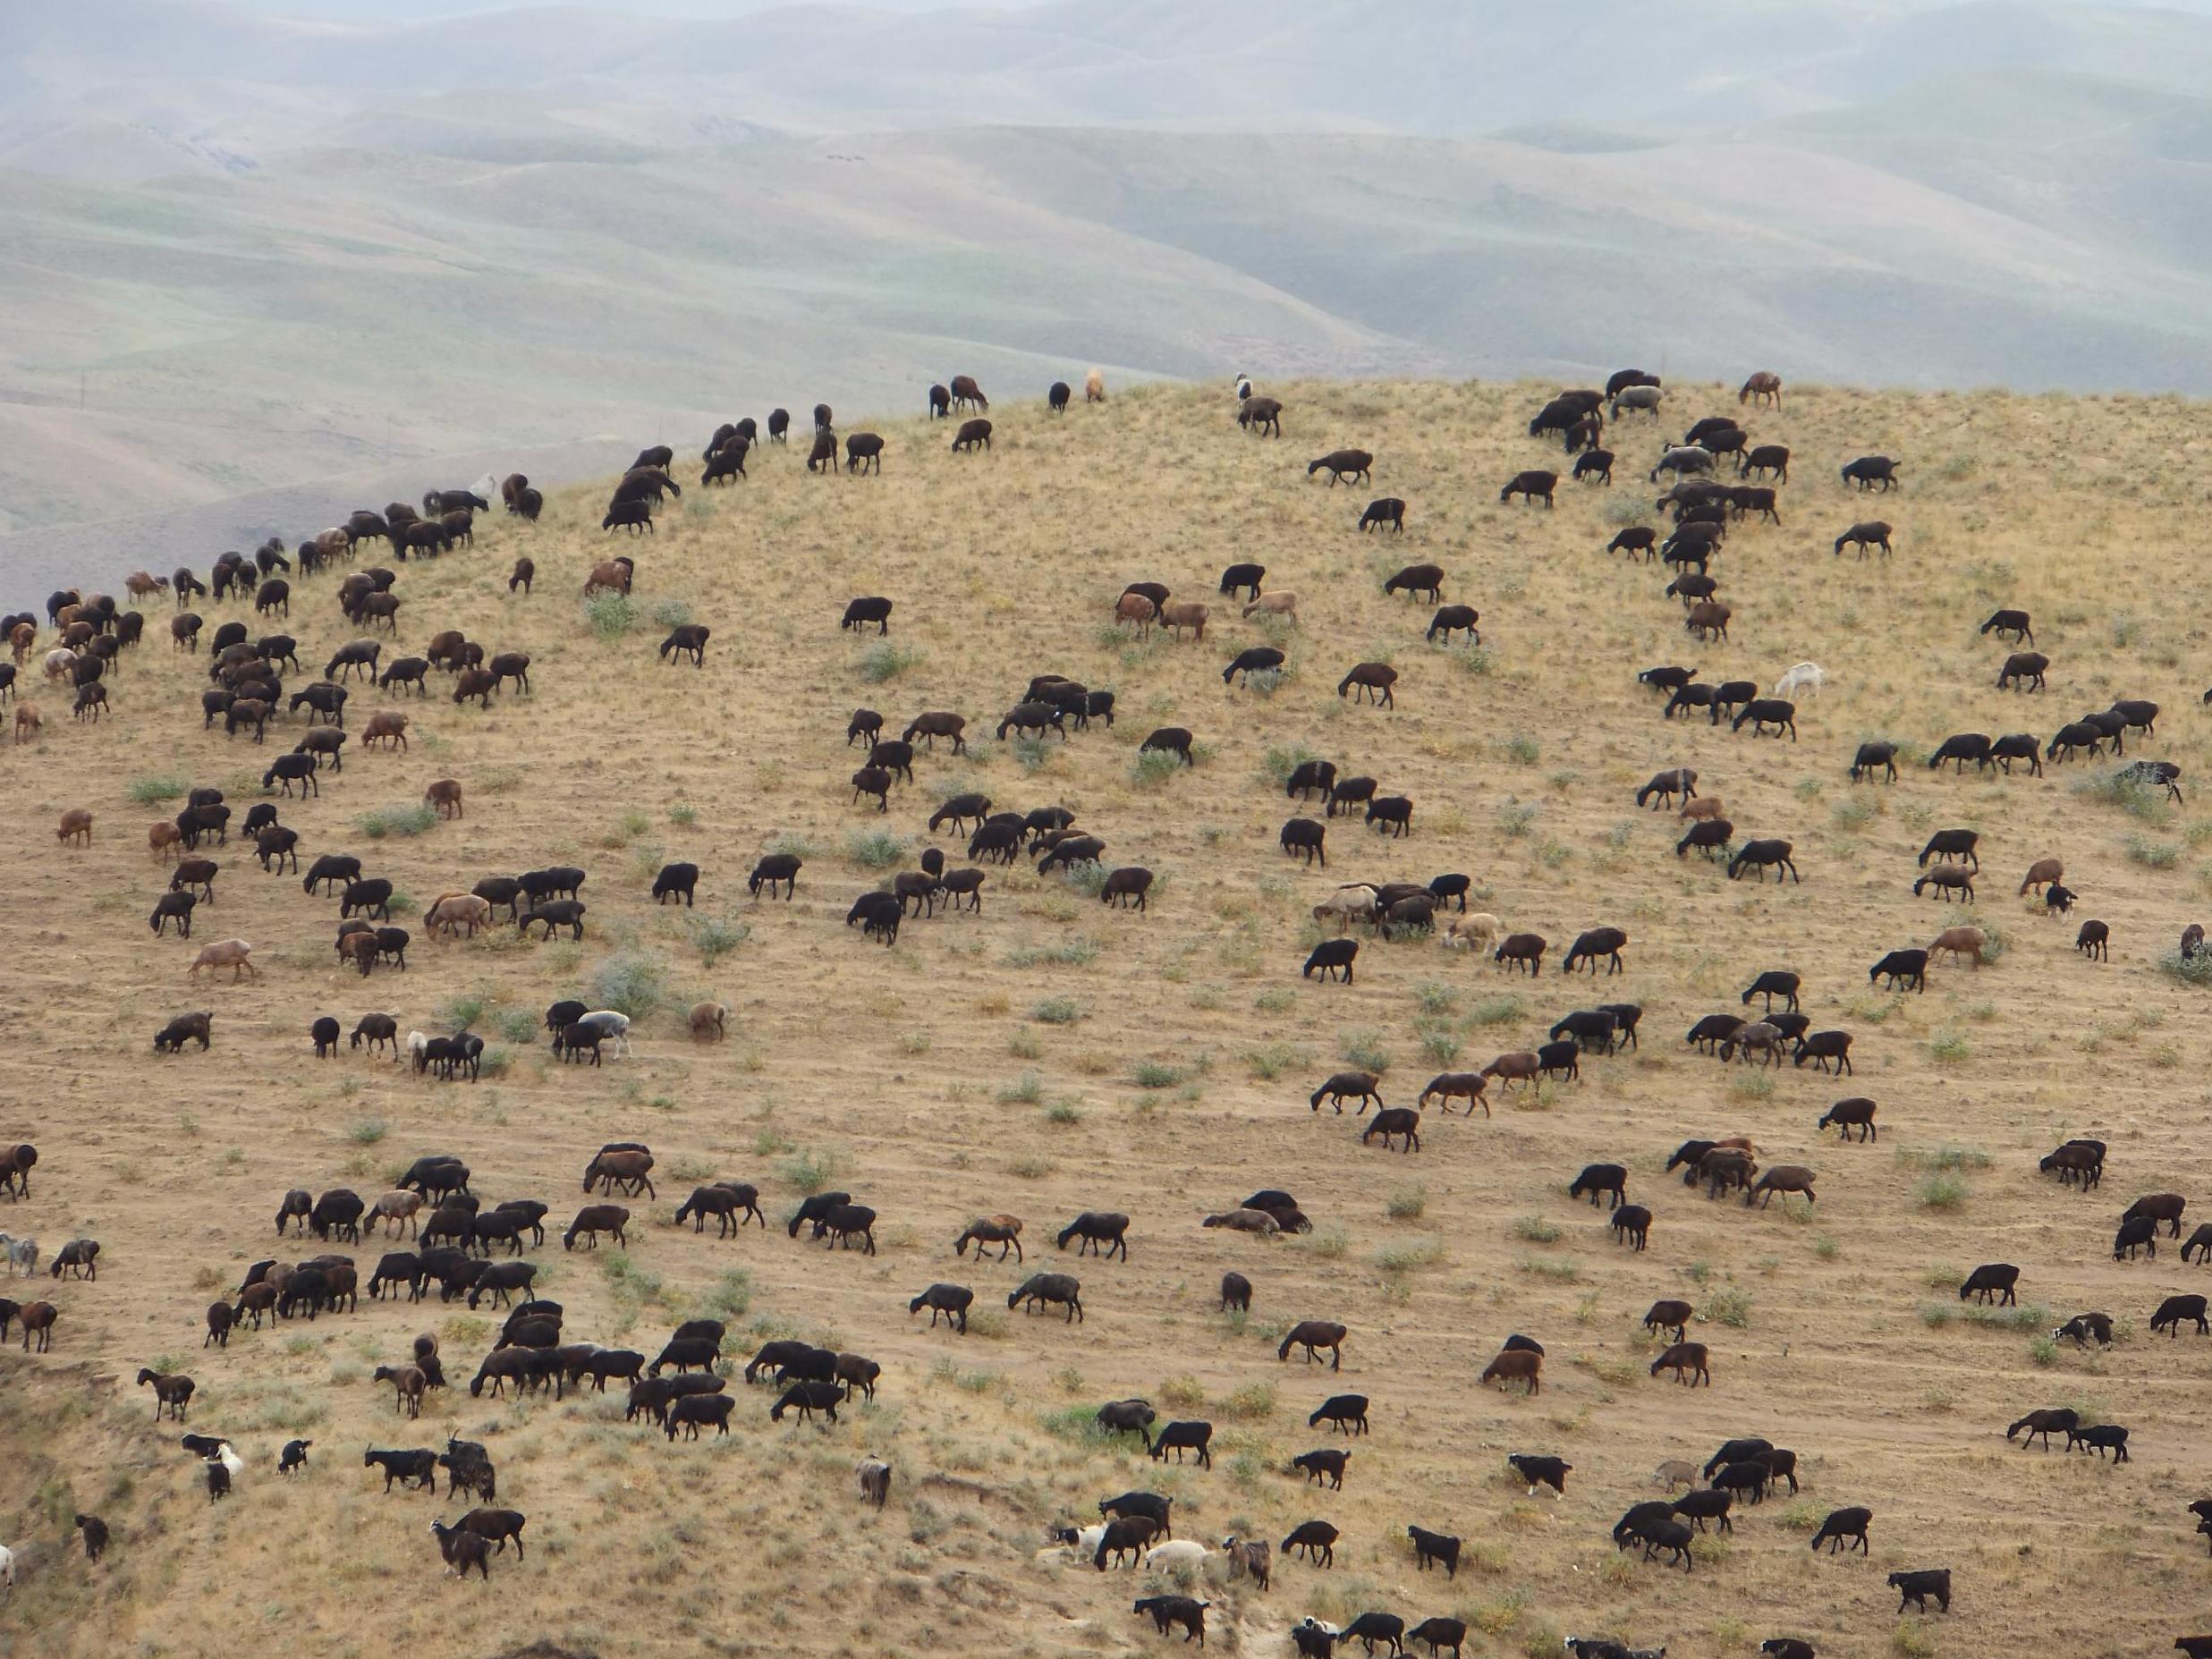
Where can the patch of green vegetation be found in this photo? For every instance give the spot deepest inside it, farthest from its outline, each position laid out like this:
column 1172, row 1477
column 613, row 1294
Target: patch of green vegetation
column 412, row 819
column 875, row 849
column 884, row 661
column 1941, row 1192
column 1406, row 1203
column 1058, row 1011
column 610, row 616
column 153, row 788
column 717, row 936
column 632, row 982
column 1728, row 1305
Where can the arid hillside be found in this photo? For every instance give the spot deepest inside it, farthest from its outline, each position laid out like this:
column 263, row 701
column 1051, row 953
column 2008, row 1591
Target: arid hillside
column 1052, row 1054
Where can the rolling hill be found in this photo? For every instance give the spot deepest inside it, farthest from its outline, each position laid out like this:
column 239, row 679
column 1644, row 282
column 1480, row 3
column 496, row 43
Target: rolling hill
column 1050, row 1054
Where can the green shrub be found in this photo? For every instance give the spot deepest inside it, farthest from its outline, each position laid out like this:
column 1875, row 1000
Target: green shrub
column 1495, row 1010
column 1365, row 1050
column 884, row 661
column 630, row 982
column 610, row 616
column 811, row 1170
column 1728, row 1306
column 412, row 819
column 151, row 789
column 367, row 1132
column 1026, row 1090
column 2192, row 970
column 1156, row 1074
column 1406, row 1203
column 717, row 936
column 1536, row 1230
column 1279, row 763
column 875, row 849
column 1155, row 767
column 672, row 613
column 517, row 1025
column 1942, row 1192
column 1058, row 1011
column 2154, row 855
column 1523, row 749
column 1949, row 1046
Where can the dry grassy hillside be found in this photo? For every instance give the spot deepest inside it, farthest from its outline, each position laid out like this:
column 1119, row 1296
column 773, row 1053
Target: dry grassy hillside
column 1051, row 1055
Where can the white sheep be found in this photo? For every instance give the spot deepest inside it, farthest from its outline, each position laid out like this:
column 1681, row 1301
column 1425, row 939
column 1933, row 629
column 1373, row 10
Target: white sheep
column 1800, row 677
column 875, row 1477
column 1176, row 1552
column 20, row 1253
column 7, row 1568
column 611, row 1026
column 1477, row 931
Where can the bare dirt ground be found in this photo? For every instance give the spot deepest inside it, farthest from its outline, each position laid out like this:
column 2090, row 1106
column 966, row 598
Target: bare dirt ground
column 1051, row 1055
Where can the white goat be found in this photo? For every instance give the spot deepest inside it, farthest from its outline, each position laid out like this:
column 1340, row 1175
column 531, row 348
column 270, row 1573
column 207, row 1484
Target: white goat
column 7, row 1568
column 20, row 1253
column 1800, row 677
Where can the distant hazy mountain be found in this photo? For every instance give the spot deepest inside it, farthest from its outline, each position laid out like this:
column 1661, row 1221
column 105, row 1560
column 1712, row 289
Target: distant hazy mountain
column 261, row 248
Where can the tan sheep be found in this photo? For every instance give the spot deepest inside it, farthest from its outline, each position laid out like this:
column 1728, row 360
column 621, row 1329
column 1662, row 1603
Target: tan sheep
column 231, row 953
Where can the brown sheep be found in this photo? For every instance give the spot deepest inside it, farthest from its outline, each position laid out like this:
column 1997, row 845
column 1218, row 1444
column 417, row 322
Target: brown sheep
column 1135, row 607
column 1514, row 1068
column 1376, row 680
column 387, row 724
column 398, row 1207
column 76, row 823
column 1094, row 391
column 408, row 1382
column 1959, row 941
column 162, row 841
column 609, row 576
column 1447, row 1086
column 1186, row 613
column 1704, row 809
column 453, row 911
column 1709, row 618
column 1784, row 1178
column 231, row 953
column 1686, row 1360
column 475, row 682
column 1246, row 1221
column 445, row 794
column 1516, row 1365
column 2041, row 874
column 708, row 1022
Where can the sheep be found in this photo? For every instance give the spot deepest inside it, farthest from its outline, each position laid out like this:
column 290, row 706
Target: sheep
column 1541, row 1471
column 1917, row 1587
column 1533, row 485
column 1182, row 1436
column 1045, row 1289
column 1856, row 1111
column 2172, row 1311
column 1375, row 681
column 1631, row 1224
column 1516, row 1365
column 1281, row 603
column 1598, row 943
column 1312, row 1335
column 1478, row 932
column 172, row 1394
column 1177, row 1554
column 1128, row 1417
column 1317, row 1538
column 874, row 1477
column 1993, row 1281
column 1332, row 957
